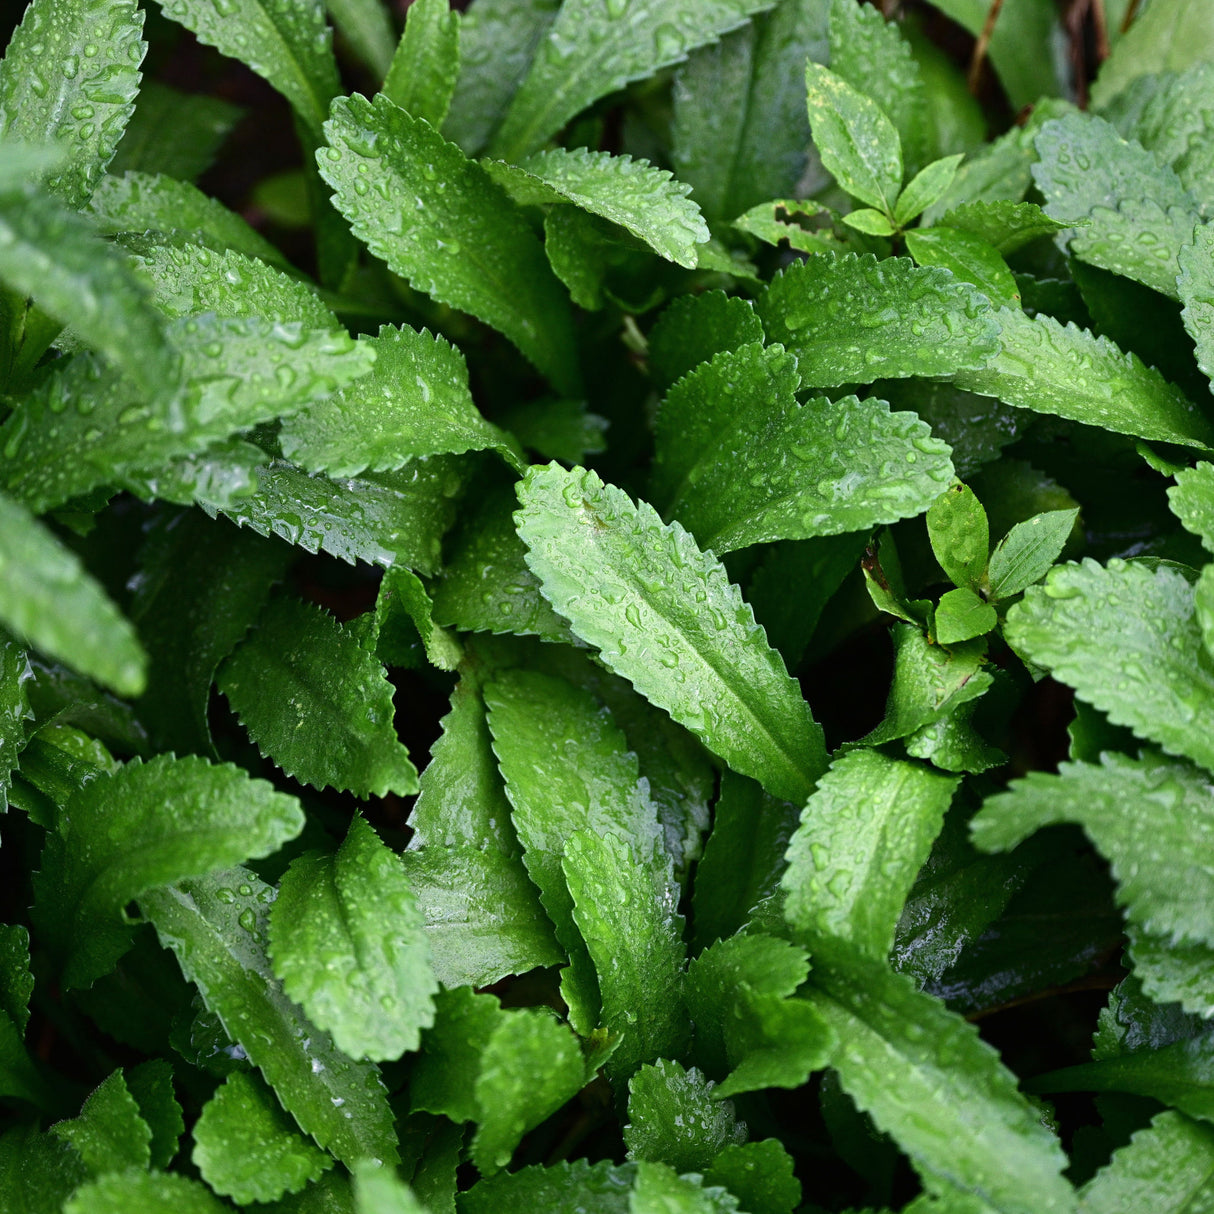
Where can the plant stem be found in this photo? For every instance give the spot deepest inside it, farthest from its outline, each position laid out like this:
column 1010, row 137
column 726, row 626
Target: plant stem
column 980, row 47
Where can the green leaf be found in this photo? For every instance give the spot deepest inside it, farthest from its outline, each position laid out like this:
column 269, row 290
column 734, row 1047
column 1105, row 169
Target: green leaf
column 924, row 1077
column 16, row 981
column 1139, row 814
column 174, row 133
column 1195, row 286
column 267, row 370
column 498, row 39
column 926, row 187
column 1167, row 1166
column 758, row 1174
column 1139, row 215
column 137, row 202
column 110, row 1134
column 144, row 1193
column 660, row 1190
column 854, row 319
column 1026, row 553
column 1175, row 36
column 783, row 221
column 54, row 256
column 15, row 673
column 1051, row 368
column 740, row 127
column 48, row 600
column 557, row 429
column 694, row 328
column 961, row 615
column 532, row 716
column 414, row 403
column 739, row 461
column 247, row 1148
column 591, row 50
column 673, row 1119
column 151, row 1083
column 747, row 1026
column 217, row 931
column 625, row 908
column 869, row 221
column 646, row 201
column 1127, row 639
column 69, row 77
column 444, row 1077
column 601, row 1188
column 368, row 29
column 375, row 991
column 38, row 1172
column 959, row 535
column 465, row 244
column 201, row 584
column 858, row 144
column 424, row 69
column 1006, row 226
column 286, row 42
column 1192, row 501
column 969, row 258
column 743, row 859
column 383, row 518
column 316, row 703
column 665, row 616
column 863, row 837
column 139, row 827
column 377, row 1191
column 402, row 596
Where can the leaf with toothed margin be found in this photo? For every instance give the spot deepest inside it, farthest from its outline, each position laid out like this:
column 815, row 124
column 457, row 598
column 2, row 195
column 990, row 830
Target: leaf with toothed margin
column 1191, row 499
column 134, row 1192
column 422, row 75
column 740, row 461
column 140, row 827
column 69, row 77
column 666, row 617
column 316, row 703
column 592, row 49
column 1127, row 639
column 854, row 319
column 216, row 926
column 1061, row 369
column 1195, row 285
column 440, row 221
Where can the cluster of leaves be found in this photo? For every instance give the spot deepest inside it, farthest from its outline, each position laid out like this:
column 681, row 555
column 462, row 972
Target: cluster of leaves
column 589, row 477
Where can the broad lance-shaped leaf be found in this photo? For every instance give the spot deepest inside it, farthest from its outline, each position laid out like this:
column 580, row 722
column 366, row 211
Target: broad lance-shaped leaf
column 216, row 925
column 421, row 77
column 55, row 257
column 1051, row 368
column 567, row 767
column 69, row 77
column 740, row 461
column 1195, row 286
column 858, row 143
column 1136, row 214
column 439, row 220
column 647, row 201
column 926, row 1079
column 143, row 826
column 48, row 599
column 1149, row 817
column 143, row 1193
column 109, row 1133
column 316, row 703
column 247, row 1148
column 235, row 375
column 666, row 617
column 1168, row 1167
column 286, row 42
column 863, row 838
column 1127, row 640
column 593, row 49
column 375, row 990
column 414, row 403
column 626, row 908
column 856, row 319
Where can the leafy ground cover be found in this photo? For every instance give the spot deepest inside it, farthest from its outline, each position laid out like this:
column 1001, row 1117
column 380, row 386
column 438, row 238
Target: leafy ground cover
column 607, row 606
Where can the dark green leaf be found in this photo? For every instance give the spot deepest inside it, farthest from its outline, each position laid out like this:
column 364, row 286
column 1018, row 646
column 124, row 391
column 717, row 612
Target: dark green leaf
column 217, row 930
column 758, row 1174
column 1195, row 286
column 143, row 1193
column 601, row 1188
column 423, row 72
column 694, row 328
column 1005, row 225
column 629, row 586
column 151, row 1083
column 38, row 1172
column 110, row 1134
column 317, row 703
column 174, row 133
column 247, row 1148
column 465, row 244
column 367, row 27
column 854, row 319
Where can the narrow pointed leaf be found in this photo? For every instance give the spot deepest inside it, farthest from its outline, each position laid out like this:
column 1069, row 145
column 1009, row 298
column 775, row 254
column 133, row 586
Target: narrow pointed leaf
column 665, row 616
column 439, row 220
column 217, row 932
column 1026, row 553
column 317, row 703
column 425, row 67
column 854, row 319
